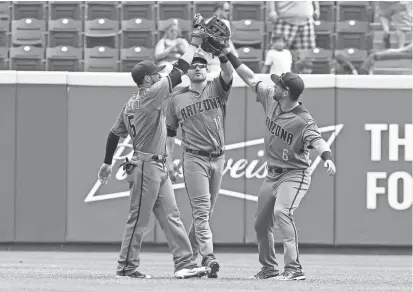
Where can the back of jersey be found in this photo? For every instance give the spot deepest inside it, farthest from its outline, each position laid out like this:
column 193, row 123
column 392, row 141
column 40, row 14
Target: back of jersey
column 143, row 118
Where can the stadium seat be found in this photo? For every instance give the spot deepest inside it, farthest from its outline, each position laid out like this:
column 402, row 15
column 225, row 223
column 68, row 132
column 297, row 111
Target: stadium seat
column 28, row 9
column 101, row 32
column 251, row 57
column 174, row 9
column 378, row 39
column 26, row 58
column 248, row 33
column 101, row 59
column 205, row 8
column 64, row 32
column 4, row 33
column 353, row 10
column 327, row 11
column 324, row 31
column 66, row 9
column 184, row 25
column 28, row 31
column 4, row 10
column 138, row 32
column 355, row 56
column 321, row 59
column 137, row 9
column 102, row 9
column 129, row 57
column 63, row 58
column 352, row 34
column 247, row 10
column 4, row 52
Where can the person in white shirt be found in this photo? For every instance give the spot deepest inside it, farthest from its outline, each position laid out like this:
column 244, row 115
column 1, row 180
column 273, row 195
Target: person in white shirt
column 278, row 60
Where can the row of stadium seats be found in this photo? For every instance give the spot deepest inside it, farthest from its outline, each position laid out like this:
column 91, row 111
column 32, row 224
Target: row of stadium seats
column 124, row 10
column 140, row 32
column 104, row 59
column 79, row 35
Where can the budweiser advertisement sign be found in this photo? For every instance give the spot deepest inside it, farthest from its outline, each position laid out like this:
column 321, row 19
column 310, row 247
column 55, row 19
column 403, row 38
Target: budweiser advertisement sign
column 235, row 167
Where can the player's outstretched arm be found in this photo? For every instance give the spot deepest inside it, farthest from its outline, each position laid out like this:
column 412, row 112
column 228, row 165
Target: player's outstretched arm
column 324, row 151
column 226, row 67
column 243, row 71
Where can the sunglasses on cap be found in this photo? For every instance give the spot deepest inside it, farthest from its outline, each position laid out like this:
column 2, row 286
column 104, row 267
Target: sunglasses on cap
column 200, row 66
column 283, row 84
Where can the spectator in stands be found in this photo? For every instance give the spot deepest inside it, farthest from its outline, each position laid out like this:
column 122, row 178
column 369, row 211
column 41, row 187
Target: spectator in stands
column 390, row 54
column 304, row 67
column 341, row 65
column 398, row 13
column 171, row 47
column 221, row 10
column 295, row 19
column 278, row 59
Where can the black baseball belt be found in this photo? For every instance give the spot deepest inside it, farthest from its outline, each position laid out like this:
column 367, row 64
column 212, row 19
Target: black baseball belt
column 212, row 154
column 159, row 158
column 277, row 170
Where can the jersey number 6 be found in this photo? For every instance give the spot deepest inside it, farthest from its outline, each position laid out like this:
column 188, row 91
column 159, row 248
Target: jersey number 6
column 131, row 125
column 285, row 154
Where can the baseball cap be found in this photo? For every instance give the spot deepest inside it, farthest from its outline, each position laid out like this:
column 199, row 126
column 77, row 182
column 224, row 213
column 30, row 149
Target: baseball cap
column 290, row 81
column 144, row 68
column 199, row 58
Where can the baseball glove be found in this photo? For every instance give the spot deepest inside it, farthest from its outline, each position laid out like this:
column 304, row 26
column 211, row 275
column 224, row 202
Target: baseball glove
column 215, row 34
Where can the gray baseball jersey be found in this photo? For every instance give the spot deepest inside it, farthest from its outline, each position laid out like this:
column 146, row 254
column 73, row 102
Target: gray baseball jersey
column 290, row 134
column 143, row 118
column 202, row 117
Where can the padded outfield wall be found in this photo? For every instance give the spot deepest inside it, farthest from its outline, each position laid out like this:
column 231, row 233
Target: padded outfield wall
column 54, row 126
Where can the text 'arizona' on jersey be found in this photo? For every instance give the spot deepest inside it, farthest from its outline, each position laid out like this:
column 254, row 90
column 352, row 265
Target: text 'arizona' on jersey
column 289, row 134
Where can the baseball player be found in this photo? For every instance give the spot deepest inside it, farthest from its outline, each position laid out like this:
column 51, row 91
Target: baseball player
column 143, row 118
column 291, row 133
column 200, row 110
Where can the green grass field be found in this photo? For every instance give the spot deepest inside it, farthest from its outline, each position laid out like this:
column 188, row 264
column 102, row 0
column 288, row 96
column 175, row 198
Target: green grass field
column 94, row 271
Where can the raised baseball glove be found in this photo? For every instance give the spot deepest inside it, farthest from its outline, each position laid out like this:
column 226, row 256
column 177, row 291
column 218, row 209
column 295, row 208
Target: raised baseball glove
column 215, row 34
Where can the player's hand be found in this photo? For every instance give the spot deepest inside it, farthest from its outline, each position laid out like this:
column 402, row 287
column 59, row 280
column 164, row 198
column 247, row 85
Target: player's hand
column 225, row 48
column 330, row 167
column 173, row 169
column 104, row 173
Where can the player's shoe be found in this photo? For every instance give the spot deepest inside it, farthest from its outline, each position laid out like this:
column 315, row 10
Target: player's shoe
column 191, row 272
column 265, row 274
column 135, row 275
column 291, row 275
column 213, row 268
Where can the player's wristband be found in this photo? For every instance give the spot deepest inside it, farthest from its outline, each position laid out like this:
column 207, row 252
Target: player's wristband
column 326, row 155
column 111, row 145
column 235, row 62
column 223, row 59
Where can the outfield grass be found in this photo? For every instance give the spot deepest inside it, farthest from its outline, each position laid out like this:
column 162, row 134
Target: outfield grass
column 94, row 271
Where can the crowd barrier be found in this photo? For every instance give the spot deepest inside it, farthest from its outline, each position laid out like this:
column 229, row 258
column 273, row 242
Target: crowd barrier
column 53, row 135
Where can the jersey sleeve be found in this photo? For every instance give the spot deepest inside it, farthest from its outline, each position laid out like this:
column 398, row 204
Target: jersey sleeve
column 264, row 92
column 119, row 128
column 221, row 88
column 172, row 122
column 311, row 134
column 157, row 93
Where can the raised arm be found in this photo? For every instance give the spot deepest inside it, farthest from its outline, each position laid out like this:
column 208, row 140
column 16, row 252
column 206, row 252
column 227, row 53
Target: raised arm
column 242, row 70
